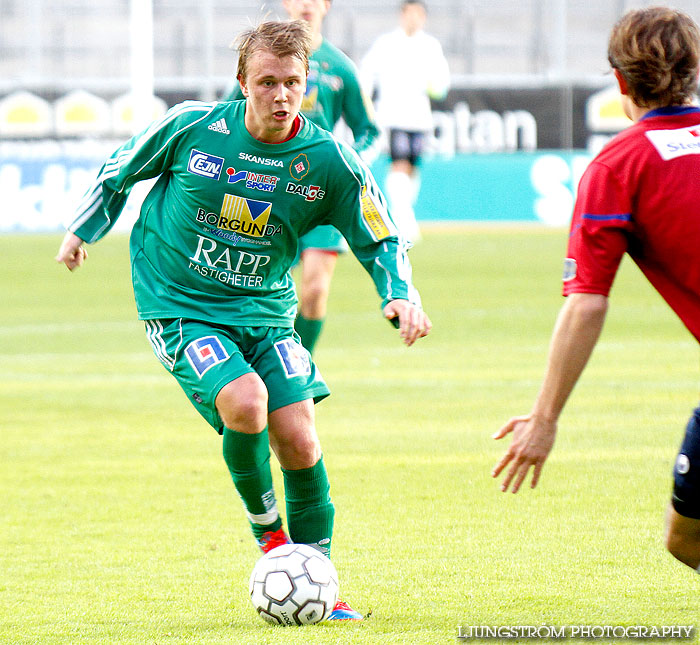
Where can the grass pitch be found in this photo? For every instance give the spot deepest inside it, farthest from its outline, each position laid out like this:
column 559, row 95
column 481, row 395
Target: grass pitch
column 120, row 523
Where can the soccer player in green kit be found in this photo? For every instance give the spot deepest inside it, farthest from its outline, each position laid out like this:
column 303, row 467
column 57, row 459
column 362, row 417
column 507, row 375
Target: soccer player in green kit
column 238, row 184
column 332, row 91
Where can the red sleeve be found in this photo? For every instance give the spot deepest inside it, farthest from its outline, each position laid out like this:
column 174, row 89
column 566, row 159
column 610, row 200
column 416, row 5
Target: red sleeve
column 598, row 237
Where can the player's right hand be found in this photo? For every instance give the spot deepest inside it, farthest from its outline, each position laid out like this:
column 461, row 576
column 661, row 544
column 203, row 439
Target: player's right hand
column 533, row 438
column 72, row 253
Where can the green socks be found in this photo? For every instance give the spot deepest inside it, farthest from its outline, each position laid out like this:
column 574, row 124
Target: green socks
column 309, row 330
column 310, row 511
column 248, row 459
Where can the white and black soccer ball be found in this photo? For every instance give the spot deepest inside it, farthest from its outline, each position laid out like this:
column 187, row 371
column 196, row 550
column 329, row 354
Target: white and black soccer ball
column 294, row 584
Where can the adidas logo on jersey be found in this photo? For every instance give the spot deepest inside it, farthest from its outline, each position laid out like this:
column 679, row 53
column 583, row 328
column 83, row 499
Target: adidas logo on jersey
column 220, row 126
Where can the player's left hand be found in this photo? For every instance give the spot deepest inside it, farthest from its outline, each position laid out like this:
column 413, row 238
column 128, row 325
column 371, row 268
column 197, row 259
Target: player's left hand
column 413, row 321
column 533, row 438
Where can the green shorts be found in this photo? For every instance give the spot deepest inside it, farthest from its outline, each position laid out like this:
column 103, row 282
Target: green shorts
column 203, row 357
column 324, row 238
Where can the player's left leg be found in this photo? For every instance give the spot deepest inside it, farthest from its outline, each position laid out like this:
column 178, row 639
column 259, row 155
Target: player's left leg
column 683, row 517
column 398, row 185
column 293, row 384
column 417, row 142
column 317, row 267
column 310, row 511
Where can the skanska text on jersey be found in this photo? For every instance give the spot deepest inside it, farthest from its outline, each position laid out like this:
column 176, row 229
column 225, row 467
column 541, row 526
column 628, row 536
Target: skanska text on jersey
column 264, row 161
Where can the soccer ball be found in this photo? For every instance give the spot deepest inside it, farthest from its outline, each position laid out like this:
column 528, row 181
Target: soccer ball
column 294, row 584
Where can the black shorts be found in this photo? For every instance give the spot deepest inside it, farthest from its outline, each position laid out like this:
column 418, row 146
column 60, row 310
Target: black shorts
column 686, row 472
column 406, row 146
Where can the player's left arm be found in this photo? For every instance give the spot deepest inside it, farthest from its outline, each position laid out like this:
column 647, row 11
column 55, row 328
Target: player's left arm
column 233, row 92
column 413, row 321
column 359, row 212
column 438, row 82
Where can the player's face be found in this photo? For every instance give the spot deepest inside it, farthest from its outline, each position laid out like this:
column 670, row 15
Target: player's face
column 413, row 18
column 274, row 88
column 313, row 11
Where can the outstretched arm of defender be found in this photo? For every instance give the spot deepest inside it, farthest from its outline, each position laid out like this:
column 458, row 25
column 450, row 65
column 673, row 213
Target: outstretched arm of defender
column 72, row 252
column 413, row 321
column 532, row 442
column 575, row 335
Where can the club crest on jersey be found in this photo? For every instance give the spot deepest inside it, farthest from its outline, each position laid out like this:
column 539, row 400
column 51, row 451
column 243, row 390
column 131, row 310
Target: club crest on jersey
column 204, row 353
column 253, row 180
column 682, row 464
column 569, row 269
column 294, row 357
column 373, row 218
column 309, row 193
column 205, row 165
column 299, row 167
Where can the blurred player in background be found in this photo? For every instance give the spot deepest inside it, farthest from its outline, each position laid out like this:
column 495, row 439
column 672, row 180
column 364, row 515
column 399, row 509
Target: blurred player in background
column 640, row 195
column 332, row 92
column 238, row 184
column 404, row 69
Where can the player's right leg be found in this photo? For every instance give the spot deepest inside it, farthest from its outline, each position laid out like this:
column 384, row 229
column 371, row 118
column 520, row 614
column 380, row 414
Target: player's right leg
column 683, row 516
column 209, row 366
column 683, row 538
column 242, row 406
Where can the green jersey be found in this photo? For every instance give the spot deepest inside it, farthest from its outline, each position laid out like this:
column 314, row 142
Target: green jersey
column 333, row 91
column 219, row 230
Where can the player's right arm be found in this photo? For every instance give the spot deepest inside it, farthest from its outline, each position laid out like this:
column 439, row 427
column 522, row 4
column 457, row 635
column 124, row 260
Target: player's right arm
column 72, row 252
column 144, row 156
column 596, row 245
column 574, row 337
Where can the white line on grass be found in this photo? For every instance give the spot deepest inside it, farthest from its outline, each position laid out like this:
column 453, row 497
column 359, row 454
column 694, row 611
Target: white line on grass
column 53, row 328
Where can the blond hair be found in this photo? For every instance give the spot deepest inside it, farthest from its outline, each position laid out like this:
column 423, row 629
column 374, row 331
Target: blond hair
column 288, row 38
column 656, row 50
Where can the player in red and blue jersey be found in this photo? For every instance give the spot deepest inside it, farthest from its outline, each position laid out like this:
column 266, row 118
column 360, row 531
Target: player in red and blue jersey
column 639, row 196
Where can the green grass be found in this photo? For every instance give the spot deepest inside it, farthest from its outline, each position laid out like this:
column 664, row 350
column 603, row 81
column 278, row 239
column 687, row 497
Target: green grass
column 120, row 523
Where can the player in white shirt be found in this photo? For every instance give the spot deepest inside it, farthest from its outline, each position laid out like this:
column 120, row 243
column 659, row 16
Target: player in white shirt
column 404, row 69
